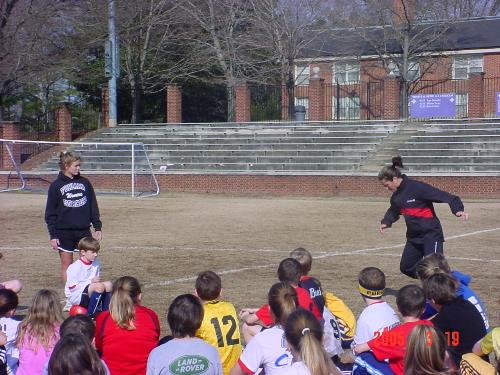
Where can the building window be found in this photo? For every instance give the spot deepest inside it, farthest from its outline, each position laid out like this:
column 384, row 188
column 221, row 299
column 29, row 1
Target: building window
column 349, row 108
column 346, row 72
column 305, row 103
column 464, row 65
column 413, row 71
column 462, row 105
column 302, row 74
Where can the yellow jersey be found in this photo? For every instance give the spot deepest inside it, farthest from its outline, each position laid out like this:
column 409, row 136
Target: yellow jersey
column 220, row 328
column 344, row 315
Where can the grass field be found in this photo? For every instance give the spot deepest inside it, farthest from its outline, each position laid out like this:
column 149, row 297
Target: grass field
column 166, row 241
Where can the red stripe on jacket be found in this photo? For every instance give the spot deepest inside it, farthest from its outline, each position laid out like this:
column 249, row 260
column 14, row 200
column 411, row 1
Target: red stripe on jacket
column 419, row 212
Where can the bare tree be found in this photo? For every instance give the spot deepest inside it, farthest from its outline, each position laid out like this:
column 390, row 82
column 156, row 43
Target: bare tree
column 285, row 29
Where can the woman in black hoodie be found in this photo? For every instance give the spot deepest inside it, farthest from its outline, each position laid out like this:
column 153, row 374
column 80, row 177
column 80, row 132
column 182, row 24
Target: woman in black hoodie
column 71, row 209
column 414, row 200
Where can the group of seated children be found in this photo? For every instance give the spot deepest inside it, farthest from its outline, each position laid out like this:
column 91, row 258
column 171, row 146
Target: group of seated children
column 301, row 330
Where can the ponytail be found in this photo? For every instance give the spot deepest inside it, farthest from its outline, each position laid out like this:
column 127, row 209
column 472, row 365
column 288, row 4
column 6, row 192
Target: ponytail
column 282, row 299
column 304, row 333
column 126, row 291
column 390, row 172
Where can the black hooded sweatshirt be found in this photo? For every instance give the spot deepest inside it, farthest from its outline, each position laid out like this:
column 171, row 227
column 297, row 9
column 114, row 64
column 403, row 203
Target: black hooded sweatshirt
column 71, row 204
column 413, row 199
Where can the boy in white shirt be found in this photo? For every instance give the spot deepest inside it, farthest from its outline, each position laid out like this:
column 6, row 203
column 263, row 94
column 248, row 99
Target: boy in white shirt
column 377, row 315
column 83, row 285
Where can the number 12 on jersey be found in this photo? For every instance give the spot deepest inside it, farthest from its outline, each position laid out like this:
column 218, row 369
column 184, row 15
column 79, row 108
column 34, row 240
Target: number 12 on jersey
column 230, row 339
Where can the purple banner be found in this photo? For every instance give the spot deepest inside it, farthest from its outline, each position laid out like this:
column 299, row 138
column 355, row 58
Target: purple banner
column 433, row 105
column 498, row 103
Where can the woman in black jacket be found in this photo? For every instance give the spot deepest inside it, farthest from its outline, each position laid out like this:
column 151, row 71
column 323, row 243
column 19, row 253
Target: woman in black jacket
column 414, row 200
column 71, row 209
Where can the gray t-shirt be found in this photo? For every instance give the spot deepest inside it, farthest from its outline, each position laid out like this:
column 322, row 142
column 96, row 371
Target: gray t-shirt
column 189, row 356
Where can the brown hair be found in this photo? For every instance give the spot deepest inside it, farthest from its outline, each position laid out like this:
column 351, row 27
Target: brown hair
column 411, row 301
column 372, row 278
column 74, row 354
column 304, row 333
column 425, row 352
column 208, row 285
column 185, row 315
column 89, row 243
column 432, row 264
column 126, row 291
column 441, row 288
column 282, row 299
column 289, row 270
column 390, row 172
column 8, row 301
column 66, row 159
column 304, row 258
column 43, row 320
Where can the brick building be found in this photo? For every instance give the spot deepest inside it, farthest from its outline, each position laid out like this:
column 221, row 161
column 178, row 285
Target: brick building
column 344, row 76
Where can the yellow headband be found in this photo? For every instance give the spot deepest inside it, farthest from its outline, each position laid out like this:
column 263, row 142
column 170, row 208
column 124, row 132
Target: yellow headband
column 370, row 293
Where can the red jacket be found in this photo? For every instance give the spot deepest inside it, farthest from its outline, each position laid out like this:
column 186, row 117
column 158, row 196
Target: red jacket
column 126, row 351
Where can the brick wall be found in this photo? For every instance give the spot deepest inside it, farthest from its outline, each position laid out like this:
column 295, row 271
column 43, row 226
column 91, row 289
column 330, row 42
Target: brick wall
column 63, row 123
column 10, row 130
column 325, row 186
column 242, row 103
column 173, row 107
column 391, row 99
column 476, row 95
column 316, row 99
column 105, row 106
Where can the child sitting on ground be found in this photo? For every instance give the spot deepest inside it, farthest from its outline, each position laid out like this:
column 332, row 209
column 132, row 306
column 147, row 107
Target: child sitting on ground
column 8, row 325
column 185, row 353
column 436, row 263
column 39, row 332
column 457, row 318
column 391, row 343
column 220, row 325
column 254, row 319
column 83, row 283
column 345, row 319
column 377, row 315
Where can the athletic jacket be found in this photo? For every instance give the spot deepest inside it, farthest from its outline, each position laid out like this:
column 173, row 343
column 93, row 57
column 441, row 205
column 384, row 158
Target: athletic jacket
column 413, row 199
column 71, row 204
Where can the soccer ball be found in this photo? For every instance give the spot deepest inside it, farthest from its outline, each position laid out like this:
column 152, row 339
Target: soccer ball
column 77, row 310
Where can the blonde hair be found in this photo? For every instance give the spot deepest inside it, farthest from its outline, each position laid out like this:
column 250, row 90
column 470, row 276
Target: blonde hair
column 43, row 320
column 304, row 257
column 126, row 291
column 432, row 264
column 304, row 333
column 66, row 159
column 282, row 299
column 426, row 352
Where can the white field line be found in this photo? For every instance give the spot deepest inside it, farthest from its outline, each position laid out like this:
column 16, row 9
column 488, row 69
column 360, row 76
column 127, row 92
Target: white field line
column 327, row 255
column 447, row 257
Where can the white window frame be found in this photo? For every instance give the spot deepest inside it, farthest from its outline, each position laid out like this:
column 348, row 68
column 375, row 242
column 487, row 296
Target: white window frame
column 305, row 102
column 302, row 75
column 411, row 68
column 353, row 107
column 467, row 64
column 346, row 72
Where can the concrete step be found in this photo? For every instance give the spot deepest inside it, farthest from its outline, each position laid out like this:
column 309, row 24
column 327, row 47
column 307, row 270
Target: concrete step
column 465, row 152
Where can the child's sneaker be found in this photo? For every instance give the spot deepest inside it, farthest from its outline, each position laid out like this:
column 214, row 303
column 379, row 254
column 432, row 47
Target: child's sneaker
column 67, row 306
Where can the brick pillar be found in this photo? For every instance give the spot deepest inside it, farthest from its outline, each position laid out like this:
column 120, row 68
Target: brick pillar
column 391, row 99
column 242, row 103
column 105, row 106
column 10, row 130
column 173, row 107
column 63, row 123
column 316, row 99
column 284, row 104
column 476, row 94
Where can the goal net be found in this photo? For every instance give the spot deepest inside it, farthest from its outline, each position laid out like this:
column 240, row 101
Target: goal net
column 111, row 167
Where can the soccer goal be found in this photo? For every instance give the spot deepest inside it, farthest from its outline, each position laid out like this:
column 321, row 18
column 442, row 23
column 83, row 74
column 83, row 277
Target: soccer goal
column 111, row 167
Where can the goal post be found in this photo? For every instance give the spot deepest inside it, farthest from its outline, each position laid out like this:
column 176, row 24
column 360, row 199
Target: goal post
column 112, row 167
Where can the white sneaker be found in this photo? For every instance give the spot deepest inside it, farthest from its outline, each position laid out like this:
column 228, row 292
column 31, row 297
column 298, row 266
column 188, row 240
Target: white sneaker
column 67, row 306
